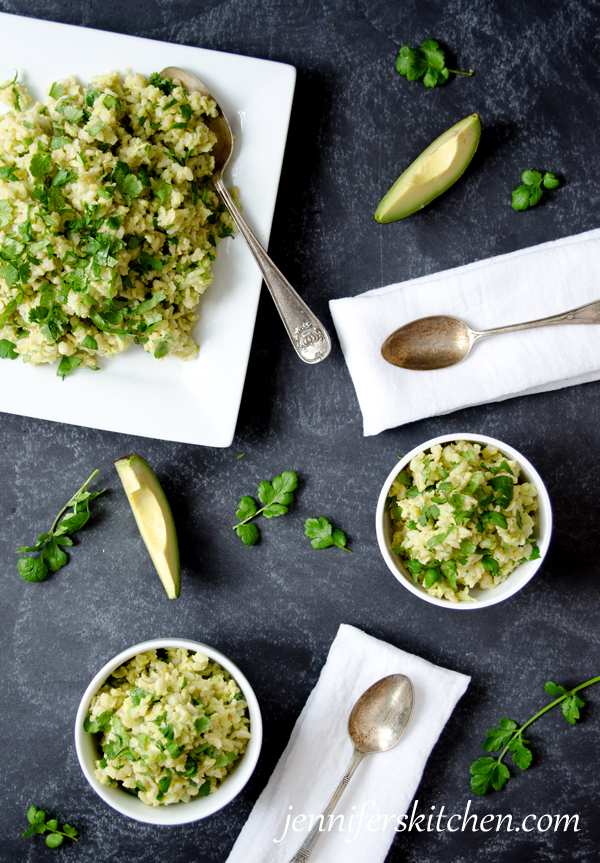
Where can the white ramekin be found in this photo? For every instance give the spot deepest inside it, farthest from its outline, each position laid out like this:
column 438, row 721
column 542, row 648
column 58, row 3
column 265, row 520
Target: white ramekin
column 517, row 579
column 175, row 813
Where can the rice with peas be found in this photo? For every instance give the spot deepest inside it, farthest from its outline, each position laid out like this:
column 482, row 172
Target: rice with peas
column 108, row 228
column 171, row 725
column 461, row 518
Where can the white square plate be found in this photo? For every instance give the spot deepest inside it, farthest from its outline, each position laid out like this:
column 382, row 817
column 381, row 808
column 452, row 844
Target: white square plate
column 196, row 401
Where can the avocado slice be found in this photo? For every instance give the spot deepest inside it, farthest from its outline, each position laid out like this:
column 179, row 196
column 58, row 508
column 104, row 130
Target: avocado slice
column 434, row 171
column 154, row 518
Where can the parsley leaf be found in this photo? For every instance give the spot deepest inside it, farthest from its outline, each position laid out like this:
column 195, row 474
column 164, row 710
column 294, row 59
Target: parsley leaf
column 38, row 824
column 490, row 772
column 6, row 213
column 427, row 62
column 247, row 532
column 49, row 544
column 530, row 192
column 322, row 535
column 7, row 350
column 164, row 84
column 276, row 497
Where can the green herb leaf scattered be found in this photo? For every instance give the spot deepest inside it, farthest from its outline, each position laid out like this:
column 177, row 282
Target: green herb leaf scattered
column 487, row 772
column 38, row 824
column 322, row 534
column 530, row 192
column 276, row 497
column 52, row 557
column 427, row 62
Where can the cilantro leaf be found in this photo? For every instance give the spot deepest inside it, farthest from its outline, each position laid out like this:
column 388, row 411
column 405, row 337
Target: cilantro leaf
column 32, row 568
column 7, row 350
column 54, row 556
column 162, row 349
column 570, row 708
column 66, row 366
column 521, row 754
column 496, row 738
column 247, row 532
column 322, row 535
column 128, row 184
column 49, row 544
column 427, row 62
column 70, row 112
column 165, row 85
column 488, row 773
column 6, row 213
column 277, row 495
column 163, row 192
column 531, row 190
column 89, row 343
column 202, row 724
column 247, row 508
column 40, row 165
column 553, row 689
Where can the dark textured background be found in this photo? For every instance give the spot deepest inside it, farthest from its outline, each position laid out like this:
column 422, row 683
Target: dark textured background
column 275, row 608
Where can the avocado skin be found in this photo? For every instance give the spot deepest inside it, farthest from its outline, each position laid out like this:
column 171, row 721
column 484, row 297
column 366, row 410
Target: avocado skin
column 149, row 503
column 471, row 124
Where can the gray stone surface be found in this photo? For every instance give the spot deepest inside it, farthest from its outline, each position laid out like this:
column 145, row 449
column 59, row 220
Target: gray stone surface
column 275, row 608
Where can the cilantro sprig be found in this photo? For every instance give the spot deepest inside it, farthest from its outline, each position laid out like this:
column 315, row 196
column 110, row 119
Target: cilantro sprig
column 427, row 62
column 322, row 535
column 488, row 772
column 38, row 824
column 51, row 545
column 276, row 497
column 530, row 192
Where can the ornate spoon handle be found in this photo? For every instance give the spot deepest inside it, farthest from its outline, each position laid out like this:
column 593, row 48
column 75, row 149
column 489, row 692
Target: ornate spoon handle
column 306, row 849
column 308, row 335
column 588, row 314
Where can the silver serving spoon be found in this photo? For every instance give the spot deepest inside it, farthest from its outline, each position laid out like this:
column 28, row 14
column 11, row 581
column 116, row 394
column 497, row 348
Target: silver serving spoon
column 376, row 723
column 441, row 341
column 309, row 336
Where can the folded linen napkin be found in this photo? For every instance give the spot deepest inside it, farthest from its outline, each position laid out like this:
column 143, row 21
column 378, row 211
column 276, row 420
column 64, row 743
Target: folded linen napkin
column 319, row 750
column 531, row 283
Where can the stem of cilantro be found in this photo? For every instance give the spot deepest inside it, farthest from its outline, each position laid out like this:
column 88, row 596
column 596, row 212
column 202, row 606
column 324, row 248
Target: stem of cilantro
column 457, row 72
column 250, row 517
column 552, row 704
column 65, row 508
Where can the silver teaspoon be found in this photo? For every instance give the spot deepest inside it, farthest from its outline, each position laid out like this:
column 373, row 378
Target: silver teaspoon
column 308, row 335
column 441, row 340
column 376, row 723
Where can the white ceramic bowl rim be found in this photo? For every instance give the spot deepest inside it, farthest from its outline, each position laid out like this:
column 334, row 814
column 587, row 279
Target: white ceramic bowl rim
column 176, row 813
column 517, row 579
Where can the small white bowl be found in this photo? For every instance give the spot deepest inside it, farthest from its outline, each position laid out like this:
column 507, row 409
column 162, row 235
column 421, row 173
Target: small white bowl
column 176, row 813
column 517, row 579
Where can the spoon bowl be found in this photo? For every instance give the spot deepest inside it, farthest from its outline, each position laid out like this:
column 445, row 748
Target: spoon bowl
column 379, row 717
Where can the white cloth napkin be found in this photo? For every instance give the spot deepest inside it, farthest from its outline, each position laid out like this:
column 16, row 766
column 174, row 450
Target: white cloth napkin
column 319, row 750
column 531, row 283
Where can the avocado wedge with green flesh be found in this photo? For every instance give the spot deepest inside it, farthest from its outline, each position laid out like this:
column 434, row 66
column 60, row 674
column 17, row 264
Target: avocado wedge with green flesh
column 154, row 518
column 434, row 171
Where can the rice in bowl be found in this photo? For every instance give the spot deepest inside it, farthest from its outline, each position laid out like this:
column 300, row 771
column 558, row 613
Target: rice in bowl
column 171, row 724
column 462, row 519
